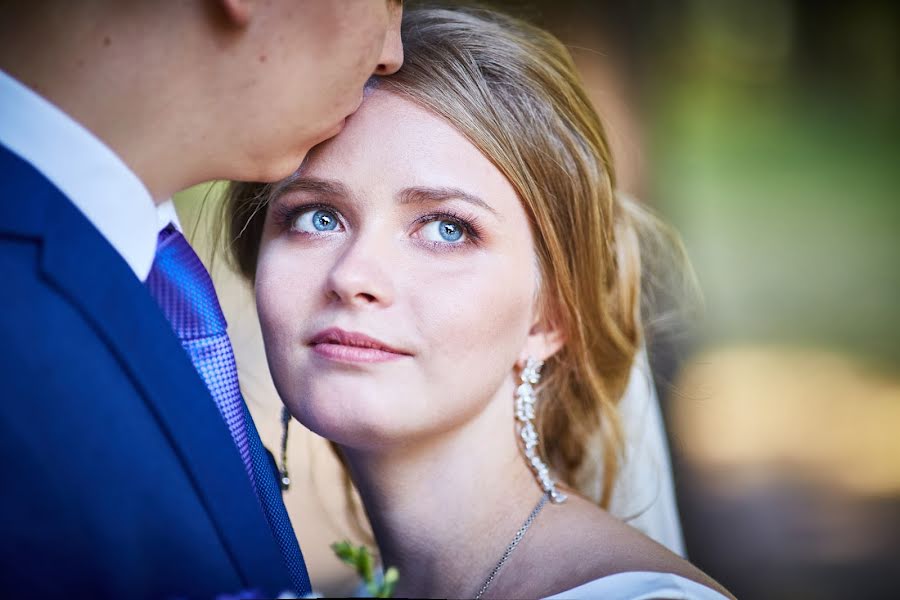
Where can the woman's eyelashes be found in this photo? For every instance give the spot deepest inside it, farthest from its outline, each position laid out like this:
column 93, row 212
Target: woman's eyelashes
column 447, row 230
column 317, row 220
column 307, row 219
column 443, row 231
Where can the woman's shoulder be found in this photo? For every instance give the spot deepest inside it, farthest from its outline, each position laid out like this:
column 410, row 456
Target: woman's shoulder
column 611, row 554
column 641, row 585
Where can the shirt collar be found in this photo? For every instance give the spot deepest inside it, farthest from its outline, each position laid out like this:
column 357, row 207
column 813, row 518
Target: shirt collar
column 86, row 170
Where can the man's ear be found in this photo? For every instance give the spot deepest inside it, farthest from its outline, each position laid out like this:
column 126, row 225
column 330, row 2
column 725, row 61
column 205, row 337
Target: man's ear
column 237, row 12
column 545, row 338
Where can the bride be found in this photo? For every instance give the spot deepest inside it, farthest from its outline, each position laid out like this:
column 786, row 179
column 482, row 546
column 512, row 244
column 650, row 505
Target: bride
column 449, row 291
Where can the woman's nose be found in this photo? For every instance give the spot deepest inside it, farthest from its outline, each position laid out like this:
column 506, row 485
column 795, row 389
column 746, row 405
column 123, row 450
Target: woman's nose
column 362, row 275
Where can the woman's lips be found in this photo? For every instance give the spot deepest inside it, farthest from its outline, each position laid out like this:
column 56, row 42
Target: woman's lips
column 347, row 346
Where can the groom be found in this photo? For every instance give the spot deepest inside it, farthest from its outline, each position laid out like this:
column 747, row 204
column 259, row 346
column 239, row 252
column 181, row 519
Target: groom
column 130, row 466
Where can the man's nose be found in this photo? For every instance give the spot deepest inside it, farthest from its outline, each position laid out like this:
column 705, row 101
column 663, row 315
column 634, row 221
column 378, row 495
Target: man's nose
column 391, row 58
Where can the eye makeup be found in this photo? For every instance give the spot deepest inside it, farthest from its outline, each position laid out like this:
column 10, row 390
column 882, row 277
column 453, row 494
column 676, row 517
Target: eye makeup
column 284, row 215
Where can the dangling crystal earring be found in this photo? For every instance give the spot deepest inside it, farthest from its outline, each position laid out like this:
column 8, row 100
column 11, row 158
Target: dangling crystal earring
column 285, row 480
column 526, row 398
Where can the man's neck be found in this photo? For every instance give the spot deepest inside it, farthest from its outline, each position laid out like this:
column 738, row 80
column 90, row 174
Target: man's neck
column 108, row 87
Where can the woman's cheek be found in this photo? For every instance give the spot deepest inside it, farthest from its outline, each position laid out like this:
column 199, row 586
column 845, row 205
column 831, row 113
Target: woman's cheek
column 484, row 311
column 278, row 295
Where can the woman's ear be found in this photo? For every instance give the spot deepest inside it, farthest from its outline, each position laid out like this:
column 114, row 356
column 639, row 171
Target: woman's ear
column 545, row 338
column 237, row 12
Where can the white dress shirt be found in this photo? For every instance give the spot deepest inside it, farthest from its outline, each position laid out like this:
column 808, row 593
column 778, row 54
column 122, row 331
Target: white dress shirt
column 86, row 171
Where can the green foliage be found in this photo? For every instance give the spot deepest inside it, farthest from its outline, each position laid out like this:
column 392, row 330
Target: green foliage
column 363, row 562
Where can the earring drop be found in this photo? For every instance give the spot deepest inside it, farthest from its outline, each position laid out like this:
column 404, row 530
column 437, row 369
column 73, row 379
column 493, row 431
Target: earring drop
column 284, row 478
column 526, row 399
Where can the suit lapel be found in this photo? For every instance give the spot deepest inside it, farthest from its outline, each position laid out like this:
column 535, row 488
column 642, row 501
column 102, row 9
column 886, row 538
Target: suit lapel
column 86, row 270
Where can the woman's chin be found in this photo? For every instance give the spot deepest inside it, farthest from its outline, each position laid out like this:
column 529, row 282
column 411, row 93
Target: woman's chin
column 352, row 430
column 355, row 409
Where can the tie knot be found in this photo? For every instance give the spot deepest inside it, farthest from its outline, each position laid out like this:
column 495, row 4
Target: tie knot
column 181, row 285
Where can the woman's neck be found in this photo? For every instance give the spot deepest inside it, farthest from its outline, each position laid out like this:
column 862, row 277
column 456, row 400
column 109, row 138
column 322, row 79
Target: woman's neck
column 443, row 511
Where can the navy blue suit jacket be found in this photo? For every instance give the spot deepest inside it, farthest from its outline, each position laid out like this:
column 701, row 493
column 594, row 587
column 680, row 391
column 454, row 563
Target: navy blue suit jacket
column 118, row 476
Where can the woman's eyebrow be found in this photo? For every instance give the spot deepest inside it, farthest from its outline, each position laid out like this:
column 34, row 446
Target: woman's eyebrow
column 423, row 194
column 326, row 187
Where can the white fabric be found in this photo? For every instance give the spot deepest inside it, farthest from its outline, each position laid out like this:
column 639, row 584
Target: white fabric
column 641, row 585
column 85, row 170
column 644, row 495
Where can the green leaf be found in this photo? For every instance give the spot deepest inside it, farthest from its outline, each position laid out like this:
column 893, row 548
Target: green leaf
column 391, row 576
column 363, row 562
column 345, row 551
column 366, row 564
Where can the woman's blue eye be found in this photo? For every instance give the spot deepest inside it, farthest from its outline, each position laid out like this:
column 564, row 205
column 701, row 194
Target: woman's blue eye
column 324, row 220
column 443, row 231
column 316, row 220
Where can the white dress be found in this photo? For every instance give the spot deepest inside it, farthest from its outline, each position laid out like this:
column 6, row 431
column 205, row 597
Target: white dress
column 640, row 585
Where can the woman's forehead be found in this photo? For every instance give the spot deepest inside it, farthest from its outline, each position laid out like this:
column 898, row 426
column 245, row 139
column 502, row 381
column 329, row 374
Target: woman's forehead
column 395, row 142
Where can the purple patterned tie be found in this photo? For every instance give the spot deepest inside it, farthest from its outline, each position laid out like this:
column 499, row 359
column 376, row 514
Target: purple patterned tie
column 184, row 291
column 182, row 287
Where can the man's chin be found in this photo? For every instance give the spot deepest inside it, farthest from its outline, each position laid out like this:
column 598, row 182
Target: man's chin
column 274, row 170
column 331, row 132
column 337, row 128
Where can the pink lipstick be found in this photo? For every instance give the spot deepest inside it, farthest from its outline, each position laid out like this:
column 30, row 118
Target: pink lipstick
column 351, row 347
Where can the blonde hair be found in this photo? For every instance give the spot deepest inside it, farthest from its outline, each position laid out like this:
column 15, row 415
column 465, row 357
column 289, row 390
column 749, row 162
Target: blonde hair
column 513, row 91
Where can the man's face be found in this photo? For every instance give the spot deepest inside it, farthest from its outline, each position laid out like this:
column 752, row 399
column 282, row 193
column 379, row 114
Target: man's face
column 308, row 65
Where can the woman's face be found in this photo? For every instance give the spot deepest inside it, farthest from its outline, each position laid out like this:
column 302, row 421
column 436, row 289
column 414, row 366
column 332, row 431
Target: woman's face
column 397, row 281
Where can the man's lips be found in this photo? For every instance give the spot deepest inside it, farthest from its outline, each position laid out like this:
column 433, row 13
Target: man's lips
column 347, row 346
column 339, row 126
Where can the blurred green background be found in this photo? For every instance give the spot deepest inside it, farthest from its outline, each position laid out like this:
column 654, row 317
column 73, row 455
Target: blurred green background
column 774, row 132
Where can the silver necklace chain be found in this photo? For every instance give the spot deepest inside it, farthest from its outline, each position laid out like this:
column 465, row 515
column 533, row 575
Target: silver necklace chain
column 512, row 545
